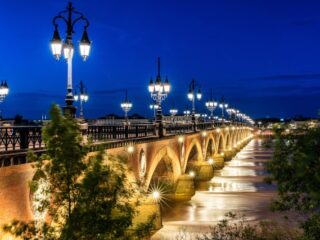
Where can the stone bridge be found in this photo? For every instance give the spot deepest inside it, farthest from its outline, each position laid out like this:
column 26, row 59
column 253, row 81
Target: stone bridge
column 181, row 158
column 176, row 160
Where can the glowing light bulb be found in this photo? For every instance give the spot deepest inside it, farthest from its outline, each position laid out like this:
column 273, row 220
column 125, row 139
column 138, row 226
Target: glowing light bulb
column 130, row 149
column 156, row 195
column 192, row 173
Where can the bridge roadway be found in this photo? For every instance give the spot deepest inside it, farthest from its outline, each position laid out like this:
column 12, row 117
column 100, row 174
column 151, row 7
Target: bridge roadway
column 151, row 160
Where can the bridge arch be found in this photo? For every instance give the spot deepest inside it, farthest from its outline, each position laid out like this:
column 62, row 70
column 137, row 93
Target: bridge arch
column 234, row 138
column 164, row 162
column 194, row 152
column 227, row 142
column 210, row 147
column 237, row 139
column 220, row 144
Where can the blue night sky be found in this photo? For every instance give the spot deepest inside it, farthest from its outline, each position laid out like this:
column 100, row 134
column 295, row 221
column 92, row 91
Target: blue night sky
column 263, row 56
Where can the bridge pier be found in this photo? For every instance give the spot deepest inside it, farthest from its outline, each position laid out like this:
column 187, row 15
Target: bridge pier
column 146, row 208
column 204, row 171
column 184, row 188
column 228, row 155
column 218, row 161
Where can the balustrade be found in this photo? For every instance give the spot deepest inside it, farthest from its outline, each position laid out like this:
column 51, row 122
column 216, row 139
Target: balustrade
column 16, row 141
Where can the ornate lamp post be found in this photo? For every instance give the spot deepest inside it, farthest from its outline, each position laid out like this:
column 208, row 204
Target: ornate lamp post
column 231, row 112
column 187, row 114
column 67, row 46
column 236, row 114
column 159, row 91
column 223, row 106
column 173, row 112
column 4, row 91
column 191, row 96
column 239, row 116
column 154, row 107
column 211, row 106
column 126, row 107
column 82, row 97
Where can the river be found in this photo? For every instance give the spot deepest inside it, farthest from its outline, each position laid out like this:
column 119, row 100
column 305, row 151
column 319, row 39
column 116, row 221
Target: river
column 238, row 188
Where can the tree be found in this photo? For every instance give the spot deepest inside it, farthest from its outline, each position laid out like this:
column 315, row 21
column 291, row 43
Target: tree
column 85, row 199
column 295, row 168
column 103, row 209
column 63, row 142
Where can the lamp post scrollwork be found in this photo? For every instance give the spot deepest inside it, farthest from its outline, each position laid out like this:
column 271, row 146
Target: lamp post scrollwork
column 82, row 97
column 159, row 91
column 126, row 106
column 57, row 46
column 211, row 106
column 223, row 106
column 4, row 91
column 191, row 96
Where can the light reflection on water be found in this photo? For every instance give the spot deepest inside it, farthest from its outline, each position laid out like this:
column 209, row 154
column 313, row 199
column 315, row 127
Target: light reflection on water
column 237, row 174
column 233, row 187
column 238, row 187
column 238, row 163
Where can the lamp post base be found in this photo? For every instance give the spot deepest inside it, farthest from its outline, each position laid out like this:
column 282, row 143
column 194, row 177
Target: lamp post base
column 194, row 124
column 160, row 130
column 69, row 111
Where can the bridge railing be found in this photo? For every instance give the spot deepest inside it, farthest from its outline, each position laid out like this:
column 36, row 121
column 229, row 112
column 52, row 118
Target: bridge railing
column 20, row 138
column 104, row 133
column 16, row 138
column 16, row 141
column 178, row 128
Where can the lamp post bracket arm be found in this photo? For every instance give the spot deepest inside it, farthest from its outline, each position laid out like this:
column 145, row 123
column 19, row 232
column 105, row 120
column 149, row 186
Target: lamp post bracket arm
column 54, row 21
column 81, row 18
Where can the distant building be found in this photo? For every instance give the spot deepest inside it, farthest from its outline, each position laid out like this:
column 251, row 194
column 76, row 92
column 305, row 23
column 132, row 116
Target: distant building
column 113, row 119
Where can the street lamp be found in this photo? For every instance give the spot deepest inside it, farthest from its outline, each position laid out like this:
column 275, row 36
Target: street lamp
column 82, row 97
column 57, row 45
column 187, row 114
column 159, row 91
column 231, row 112
column 154, row 107
column 204, row 116
column 239, row 115
column 191, row 96
column 173, row 112
column 4, row 91
column 126, row 107
column 223, row 106
column 211, row 106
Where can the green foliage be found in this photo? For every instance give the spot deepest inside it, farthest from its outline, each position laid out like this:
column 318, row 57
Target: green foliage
column 63, row 142
column 30, row 231
column 296, row 169
column 31, row 157
column 235, row 227
column 103, row 210
column 89, row 199
column 311, row 228
column 143, row 230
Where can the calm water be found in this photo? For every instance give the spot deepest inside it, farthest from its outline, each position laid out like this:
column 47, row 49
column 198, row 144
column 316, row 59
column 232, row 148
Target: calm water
column 238, row 187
